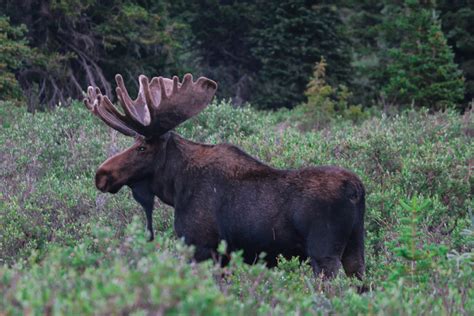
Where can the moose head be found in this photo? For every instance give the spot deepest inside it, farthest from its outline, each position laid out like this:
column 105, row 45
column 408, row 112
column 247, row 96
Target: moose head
column 221, row 193
column 161, row 105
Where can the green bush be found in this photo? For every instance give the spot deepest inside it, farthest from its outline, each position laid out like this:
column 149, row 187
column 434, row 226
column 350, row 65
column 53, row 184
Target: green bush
column 102, row 276
column 326, row 103
column 14, row 51
column 66, row 248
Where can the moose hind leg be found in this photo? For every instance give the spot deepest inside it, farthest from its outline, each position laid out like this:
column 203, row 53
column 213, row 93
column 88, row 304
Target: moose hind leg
column 202, row 253
column 325, row 266
column 324, row 251
column 353, row 256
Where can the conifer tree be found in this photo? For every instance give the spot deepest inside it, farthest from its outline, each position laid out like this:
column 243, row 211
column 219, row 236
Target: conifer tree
column 14, row 51
column 421, row 68
column 458, row 22
column 289, row 42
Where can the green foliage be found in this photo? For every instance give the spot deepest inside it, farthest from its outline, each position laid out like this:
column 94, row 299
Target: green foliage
column 397, row 54
column 400, row 55
column 422, row 266
column 102, row 276
column 458, row 21
column 220, row 121
column 325, row 102
column 14, row 51
column 87, row 42
column 263, row 58
column 422, row 71
column 289, row 42
column 419, row 259
column 142, row 38
column 220, row 37
column 67, row 248
column 362, row 19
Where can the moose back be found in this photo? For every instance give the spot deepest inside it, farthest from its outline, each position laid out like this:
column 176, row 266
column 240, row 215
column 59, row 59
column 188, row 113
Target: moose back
column 221, row 193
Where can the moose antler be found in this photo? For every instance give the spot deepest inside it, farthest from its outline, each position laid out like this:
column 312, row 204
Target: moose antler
column 161, row 104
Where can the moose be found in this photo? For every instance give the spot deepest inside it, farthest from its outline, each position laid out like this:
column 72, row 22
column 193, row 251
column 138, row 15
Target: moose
column 219, row 192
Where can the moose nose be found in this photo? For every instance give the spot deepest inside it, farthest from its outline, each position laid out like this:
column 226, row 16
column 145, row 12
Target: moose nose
column 101, row 180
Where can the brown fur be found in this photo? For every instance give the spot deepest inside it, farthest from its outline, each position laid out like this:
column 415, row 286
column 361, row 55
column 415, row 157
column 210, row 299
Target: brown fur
column 219, row 192
column 235, row 164
column 229, row 160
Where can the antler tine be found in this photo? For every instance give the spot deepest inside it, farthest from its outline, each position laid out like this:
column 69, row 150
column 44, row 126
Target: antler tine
column 110, row 118
column 162, row 86
column 133, row 109
column 145, row 91
column 175, row 84
column 123, row 91
column 89, row 100
column 102, row 107
column 161, row 105
column 176, row 102
column 187, row 81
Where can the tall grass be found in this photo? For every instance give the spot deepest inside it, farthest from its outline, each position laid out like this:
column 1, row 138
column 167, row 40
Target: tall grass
column 67, row 248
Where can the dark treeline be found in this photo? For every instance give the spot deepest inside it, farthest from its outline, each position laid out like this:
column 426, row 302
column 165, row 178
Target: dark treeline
column 397, row 53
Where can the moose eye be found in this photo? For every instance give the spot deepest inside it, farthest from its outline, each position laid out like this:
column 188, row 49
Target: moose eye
column 141, row 148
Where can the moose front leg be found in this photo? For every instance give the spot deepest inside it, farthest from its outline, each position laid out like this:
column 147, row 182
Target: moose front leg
column 142, row 194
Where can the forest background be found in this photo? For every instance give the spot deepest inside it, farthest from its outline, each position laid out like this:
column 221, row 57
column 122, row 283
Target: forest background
column 376, row 53
column 382, row 88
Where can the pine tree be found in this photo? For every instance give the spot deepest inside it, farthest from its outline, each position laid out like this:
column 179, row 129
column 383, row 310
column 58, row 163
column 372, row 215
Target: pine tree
column 263, row 51
column 288, row 42
column 417, row 259
column 14, row 51
column 421, row 68
column 458, row 22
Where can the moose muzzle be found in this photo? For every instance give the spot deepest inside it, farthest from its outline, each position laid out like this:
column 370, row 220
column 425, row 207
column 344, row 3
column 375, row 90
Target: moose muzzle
column 105, row 182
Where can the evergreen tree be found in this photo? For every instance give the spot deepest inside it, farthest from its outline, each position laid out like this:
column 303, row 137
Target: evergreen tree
column 289, row 39
column 14, row 53
column 362, row 19
column 458, row 24
column 221, row 32
column 421, row 69
column 263, row 51
column 78, row 43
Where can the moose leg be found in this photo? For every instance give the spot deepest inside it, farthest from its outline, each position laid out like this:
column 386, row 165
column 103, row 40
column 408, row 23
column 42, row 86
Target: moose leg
column 327, row 266
column 149, row 222
column 353, row 256
column 324, row 249
column 204, row 253
column 142, row 194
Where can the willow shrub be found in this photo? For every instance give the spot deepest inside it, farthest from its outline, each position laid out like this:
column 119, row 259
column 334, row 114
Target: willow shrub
column 67, row 248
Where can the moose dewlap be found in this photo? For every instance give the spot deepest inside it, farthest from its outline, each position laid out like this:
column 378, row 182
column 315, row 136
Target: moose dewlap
column 221, row 193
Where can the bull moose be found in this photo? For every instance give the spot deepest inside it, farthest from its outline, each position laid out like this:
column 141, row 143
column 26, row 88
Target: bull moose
column 219, row 192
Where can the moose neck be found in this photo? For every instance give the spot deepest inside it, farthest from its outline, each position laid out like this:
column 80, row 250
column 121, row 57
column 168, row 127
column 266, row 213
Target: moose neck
column 171, row 165
column 181, row 166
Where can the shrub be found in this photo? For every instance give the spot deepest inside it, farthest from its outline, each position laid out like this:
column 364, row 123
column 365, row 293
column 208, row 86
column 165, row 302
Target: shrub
column 67, row 248
column 326, row 103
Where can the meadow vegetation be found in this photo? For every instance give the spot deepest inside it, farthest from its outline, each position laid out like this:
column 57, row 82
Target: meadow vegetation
column 382, row 88
column 67, row 248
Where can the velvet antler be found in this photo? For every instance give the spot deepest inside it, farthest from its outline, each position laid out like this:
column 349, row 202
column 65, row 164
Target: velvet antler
column 161, row 104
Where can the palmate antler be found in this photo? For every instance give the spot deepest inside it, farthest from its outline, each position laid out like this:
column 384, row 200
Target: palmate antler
column 161, row 105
